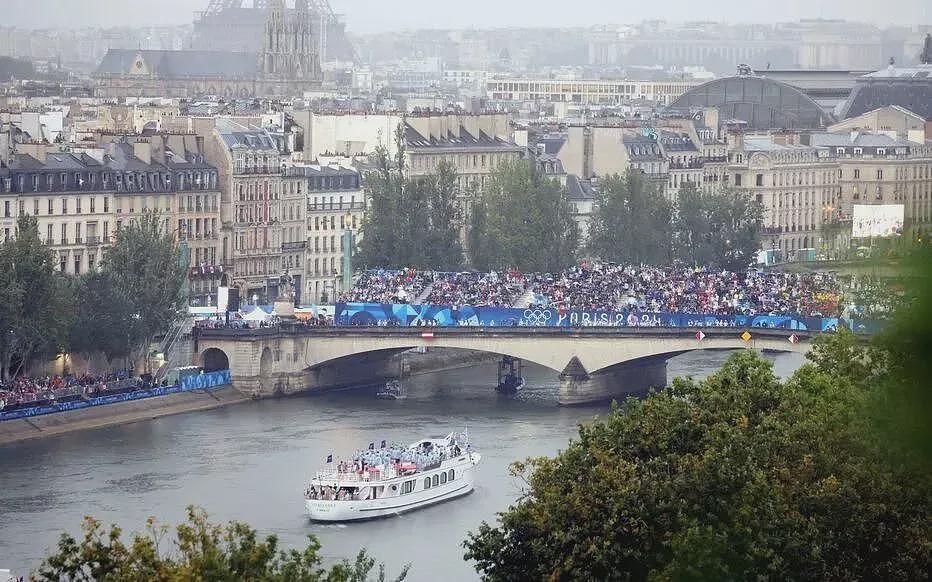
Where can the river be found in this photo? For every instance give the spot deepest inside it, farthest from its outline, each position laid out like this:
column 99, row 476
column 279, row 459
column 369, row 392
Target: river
column 250, row 462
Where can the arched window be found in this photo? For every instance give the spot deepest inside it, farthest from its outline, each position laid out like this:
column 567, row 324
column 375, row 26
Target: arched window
column 427, row 483
column 436, row 480
column 443, row 478
column 451, row 474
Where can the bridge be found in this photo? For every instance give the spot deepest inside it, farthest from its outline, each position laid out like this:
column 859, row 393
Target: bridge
column 594, row 363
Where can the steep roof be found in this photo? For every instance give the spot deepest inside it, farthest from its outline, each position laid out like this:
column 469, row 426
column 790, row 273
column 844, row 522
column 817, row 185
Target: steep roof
column 171, row 64
column 906, row 87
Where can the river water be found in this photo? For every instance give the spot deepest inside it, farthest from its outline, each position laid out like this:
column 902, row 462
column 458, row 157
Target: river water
column 250, row 462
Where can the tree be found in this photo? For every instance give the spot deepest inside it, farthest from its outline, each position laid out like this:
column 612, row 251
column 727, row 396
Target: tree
column 36, row 301
column 720, row 229
column 522, row 220
column 631, row 221
column 203, row 551
column 105, row 318
column 143, row 266
column 410, row 221
column 737, row 477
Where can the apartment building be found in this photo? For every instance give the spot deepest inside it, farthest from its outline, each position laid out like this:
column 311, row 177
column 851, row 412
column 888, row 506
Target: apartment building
column 585, row 91
column 263, row 218
column 83, row 196
column 335, row 206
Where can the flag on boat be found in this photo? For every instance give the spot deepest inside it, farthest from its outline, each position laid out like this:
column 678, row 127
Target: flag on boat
column 330, row 458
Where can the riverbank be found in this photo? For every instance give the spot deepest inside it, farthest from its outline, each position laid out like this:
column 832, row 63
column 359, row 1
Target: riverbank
column 150, row 408
column 117, row 413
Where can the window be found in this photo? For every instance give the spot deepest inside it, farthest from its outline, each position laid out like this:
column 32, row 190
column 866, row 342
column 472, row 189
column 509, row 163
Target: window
column 64, row 235
column 451, row 474
column 48, row 236
column 857, row 173
column 77, row 264
column 443, row 478
column 737, row 179
column 106, row 204
column 436, row 480
column 92, row 204
column 760, row 180
column 426, row 482
column 64, row 206
column 407, row 487
column 880, row 174
column 6, row 209
column 78, row 208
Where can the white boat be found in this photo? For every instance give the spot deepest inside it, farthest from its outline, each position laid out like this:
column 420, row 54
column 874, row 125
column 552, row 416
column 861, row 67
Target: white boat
column 392, row 479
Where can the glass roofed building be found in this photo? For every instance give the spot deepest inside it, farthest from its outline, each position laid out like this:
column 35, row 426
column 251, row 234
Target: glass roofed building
column 759, row 102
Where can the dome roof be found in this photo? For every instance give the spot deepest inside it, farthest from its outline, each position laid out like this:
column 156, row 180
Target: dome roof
column 762, row 103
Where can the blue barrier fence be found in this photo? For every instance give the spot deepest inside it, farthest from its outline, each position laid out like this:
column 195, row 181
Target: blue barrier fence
column 205, row 381
column 381, row 314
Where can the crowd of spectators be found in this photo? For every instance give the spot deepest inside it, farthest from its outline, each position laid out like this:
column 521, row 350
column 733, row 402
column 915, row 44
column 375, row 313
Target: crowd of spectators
column 25, row 391
column 381, row 286
column 473, row 288
column 682, row 289
column 611, row 287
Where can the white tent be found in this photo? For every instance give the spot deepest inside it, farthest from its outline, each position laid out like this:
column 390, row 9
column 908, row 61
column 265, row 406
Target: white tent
column 256, row 314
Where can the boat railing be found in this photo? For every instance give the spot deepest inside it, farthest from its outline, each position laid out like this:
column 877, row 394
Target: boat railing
column 356, row 476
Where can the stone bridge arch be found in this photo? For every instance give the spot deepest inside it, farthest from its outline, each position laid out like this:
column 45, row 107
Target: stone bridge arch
column 590, row 361
column 214, row 359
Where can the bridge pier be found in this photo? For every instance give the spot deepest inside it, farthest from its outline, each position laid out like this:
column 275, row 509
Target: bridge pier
column 615, row 383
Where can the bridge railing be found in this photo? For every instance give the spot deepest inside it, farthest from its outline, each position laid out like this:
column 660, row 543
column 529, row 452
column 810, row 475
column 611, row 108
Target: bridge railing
column 403, row 315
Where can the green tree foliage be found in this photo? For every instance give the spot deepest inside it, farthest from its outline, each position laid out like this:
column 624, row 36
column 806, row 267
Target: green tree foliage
column 631, row 221
column 142, row 266
column 720, row 229
column 105, row 318
column 410, row 221
column 737, row 477
column 201, row 552
column 36, row 301
column 522, row 220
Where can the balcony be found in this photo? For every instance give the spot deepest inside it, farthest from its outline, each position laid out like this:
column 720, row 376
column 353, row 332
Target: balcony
column 294, row 246
column 92, row 241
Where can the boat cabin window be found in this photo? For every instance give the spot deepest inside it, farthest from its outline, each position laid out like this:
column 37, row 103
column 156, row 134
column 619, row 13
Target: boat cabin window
column 407, row 487
column 443, row 478
column 451, row 474
column 427, row 483
column 436, row 480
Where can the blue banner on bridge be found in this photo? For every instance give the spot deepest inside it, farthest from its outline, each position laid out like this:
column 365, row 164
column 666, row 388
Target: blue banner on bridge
column 190, row 383
column 386, row 314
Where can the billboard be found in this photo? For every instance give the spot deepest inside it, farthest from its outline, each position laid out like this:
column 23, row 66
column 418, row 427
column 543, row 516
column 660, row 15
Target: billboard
column 881, row 220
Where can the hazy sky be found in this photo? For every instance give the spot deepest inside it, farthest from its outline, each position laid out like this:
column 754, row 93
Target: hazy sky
column 379, row 15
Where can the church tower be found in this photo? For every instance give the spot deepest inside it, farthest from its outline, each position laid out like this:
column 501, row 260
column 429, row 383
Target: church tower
column 288, row 49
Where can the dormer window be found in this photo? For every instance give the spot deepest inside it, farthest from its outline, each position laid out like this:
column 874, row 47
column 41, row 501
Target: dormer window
column 858, row 151
column 881, row 151
column 840, row 151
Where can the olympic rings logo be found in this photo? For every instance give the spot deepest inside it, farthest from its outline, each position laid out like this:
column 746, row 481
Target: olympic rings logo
column 537, row 317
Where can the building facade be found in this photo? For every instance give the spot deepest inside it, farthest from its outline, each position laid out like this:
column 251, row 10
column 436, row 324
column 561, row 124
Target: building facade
column 585, row 91
column 263, row 231
column 287, row 65
column 335, row 206
column 82, row 198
